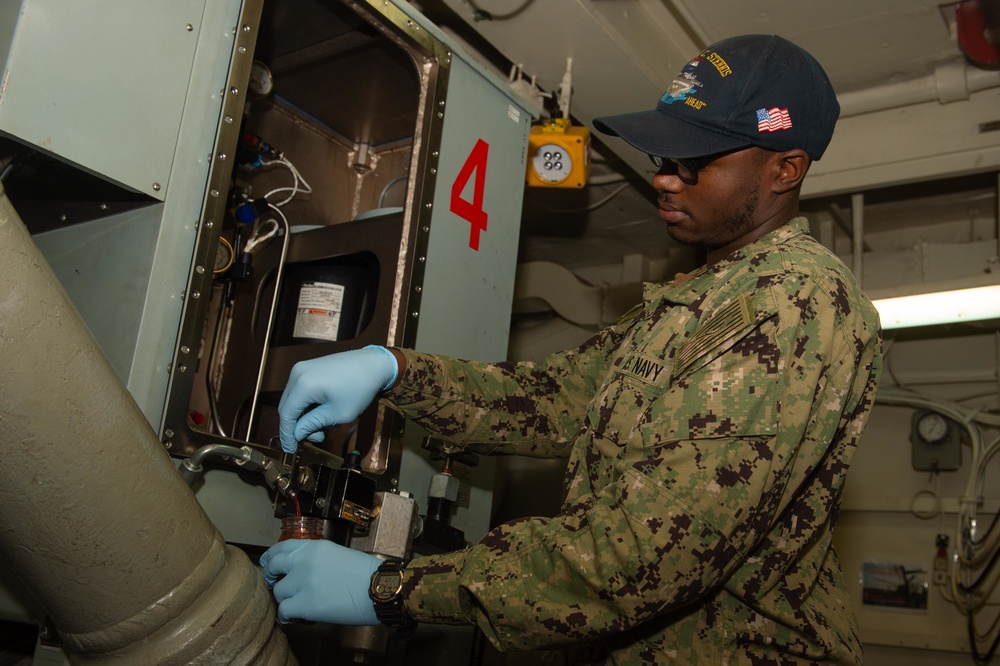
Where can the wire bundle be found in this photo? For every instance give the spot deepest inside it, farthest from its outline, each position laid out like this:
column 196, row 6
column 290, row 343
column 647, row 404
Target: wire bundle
column 973, row 575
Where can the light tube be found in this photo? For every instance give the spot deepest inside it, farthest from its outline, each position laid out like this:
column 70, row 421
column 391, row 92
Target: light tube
column 943, row 307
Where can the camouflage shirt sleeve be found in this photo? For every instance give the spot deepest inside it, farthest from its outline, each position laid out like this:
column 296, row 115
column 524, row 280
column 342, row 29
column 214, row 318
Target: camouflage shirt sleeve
column 532, row 409
column 705, row 474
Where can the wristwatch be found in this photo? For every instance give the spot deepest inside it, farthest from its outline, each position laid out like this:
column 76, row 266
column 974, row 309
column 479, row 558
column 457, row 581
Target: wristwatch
column 386, row 593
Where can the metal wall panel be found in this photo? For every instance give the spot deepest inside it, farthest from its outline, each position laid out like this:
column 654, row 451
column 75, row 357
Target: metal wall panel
column 468, row 282
column 68, row 90
column 135, row 318
column 104, row 266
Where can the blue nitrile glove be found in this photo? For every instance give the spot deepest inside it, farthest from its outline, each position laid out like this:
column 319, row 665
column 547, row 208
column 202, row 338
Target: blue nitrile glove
column 323, row 582
column 340, row 385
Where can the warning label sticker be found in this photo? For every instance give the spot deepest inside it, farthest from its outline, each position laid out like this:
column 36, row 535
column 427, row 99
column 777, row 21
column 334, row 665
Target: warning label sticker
column 318, row 312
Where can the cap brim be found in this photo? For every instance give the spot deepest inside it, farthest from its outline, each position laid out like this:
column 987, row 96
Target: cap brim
column 657, row 133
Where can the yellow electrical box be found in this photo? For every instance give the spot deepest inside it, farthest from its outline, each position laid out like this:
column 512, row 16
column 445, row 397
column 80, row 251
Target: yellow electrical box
column 558, row 155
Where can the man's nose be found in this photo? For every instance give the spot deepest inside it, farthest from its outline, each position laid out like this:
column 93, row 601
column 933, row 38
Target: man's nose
column 666, row 179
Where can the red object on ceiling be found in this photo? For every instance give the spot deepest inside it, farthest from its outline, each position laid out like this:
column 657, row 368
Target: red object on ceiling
column 978, row 24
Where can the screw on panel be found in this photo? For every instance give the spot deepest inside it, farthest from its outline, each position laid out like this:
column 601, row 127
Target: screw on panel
column 185, row 349
column 189, row 27
column 156, row 187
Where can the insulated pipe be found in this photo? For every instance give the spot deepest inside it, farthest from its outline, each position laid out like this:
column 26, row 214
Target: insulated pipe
column 571, row 298
column 949, row 83
column 94, row 518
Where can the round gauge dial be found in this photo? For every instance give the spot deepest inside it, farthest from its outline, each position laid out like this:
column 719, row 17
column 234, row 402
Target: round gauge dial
column 552, row 163
column 223, row 256
column 261, row 80
column 932, row 427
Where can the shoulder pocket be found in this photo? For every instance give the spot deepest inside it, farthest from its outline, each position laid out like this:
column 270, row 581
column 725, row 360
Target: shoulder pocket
column 723, row 329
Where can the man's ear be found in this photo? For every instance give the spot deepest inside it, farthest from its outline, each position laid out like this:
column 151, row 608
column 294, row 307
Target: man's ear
column 790, row 168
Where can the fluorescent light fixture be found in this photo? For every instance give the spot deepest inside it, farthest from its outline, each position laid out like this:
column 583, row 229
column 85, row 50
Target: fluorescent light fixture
column 941, row 307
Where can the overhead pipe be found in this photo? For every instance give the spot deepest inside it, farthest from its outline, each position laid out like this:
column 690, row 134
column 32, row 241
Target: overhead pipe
column 950, row 82
column 94, row 517
column 570, row 297
column 858, row 235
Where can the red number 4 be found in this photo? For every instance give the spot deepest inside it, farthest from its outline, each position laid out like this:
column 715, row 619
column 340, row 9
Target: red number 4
column 472, row 213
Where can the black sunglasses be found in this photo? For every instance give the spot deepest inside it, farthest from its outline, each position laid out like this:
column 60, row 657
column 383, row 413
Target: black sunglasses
column 687, row 168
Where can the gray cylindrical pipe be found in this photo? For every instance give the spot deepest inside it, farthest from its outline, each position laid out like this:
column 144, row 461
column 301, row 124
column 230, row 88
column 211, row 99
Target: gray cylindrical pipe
column 94, row 518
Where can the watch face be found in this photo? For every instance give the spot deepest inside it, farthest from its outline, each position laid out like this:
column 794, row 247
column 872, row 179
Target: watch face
column 387, row 584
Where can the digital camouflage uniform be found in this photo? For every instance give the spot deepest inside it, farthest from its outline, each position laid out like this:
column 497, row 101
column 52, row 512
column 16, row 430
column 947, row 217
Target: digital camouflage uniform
column 709, row 435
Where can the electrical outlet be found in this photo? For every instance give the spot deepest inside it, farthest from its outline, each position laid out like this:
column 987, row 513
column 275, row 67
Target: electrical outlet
column 558, row 155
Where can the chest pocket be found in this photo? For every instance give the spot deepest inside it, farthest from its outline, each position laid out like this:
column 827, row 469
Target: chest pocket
column 725, row 377
column 638, row 378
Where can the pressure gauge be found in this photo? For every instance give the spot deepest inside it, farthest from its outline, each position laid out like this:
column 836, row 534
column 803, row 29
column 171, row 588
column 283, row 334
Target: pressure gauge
column 224, row 256
column 261, row 80
column 936, row 442
column 931, row 427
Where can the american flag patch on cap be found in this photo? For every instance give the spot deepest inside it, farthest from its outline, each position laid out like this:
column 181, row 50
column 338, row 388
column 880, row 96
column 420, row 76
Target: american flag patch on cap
column 772, row 120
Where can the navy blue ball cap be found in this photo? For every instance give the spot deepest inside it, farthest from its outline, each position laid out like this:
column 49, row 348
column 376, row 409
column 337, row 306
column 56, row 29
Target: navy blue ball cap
column 751, row 90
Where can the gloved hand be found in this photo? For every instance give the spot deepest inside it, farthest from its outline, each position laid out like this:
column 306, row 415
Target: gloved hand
column 323, row 582
column 340, row 385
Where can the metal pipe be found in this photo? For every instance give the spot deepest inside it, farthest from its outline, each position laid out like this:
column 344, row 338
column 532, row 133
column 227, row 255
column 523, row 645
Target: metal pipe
column 949, row 83
column 94, row 518
column 279, row 274
column 192, row 468
column 858, row 234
